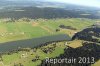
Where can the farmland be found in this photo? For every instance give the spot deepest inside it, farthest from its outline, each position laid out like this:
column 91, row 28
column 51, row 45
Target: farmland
column 11, row 31
column 33, row 30
column 36, row 28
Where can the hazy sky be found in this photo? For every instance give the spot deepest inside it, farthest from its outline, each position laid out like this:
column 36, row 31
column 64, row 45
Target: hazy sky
column 95, row 3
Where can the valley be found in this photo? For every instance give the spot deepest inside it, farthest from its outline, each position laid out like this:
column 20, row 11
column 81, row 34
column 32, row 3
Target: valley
column 32, row 30
column 24, row 30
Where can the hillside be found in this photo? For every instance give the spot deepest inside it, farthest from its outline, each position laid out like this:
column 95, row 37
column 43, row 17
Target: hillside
column 85, row 45
column 89, row 34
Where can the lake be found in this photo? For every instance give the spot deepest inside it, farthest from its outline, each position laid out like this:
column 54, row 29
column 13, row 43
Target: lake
column 32, row 43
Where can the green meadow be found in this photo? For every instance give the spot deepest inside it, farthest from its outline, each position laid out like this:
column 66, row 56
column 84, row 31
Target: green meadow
column 11, row 31
column 19, row 30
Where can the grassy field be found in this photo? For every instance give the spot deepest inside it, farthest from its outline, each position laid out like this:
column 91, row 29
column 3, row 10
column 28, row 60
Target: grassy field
column 75, row 43
column 17, row 58
column 20, row 29
column 97, row 63
column 41, row 27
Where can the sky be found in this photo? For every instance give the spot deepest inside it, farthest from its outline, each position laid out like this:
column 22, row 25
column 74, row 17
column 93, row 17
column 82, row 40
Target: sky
column 95, row 3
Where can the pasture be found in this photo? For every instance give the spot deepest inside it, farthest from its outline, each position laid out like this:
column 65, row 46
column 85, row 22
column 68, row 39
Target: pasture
column 18, row 30
column 36, row 28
